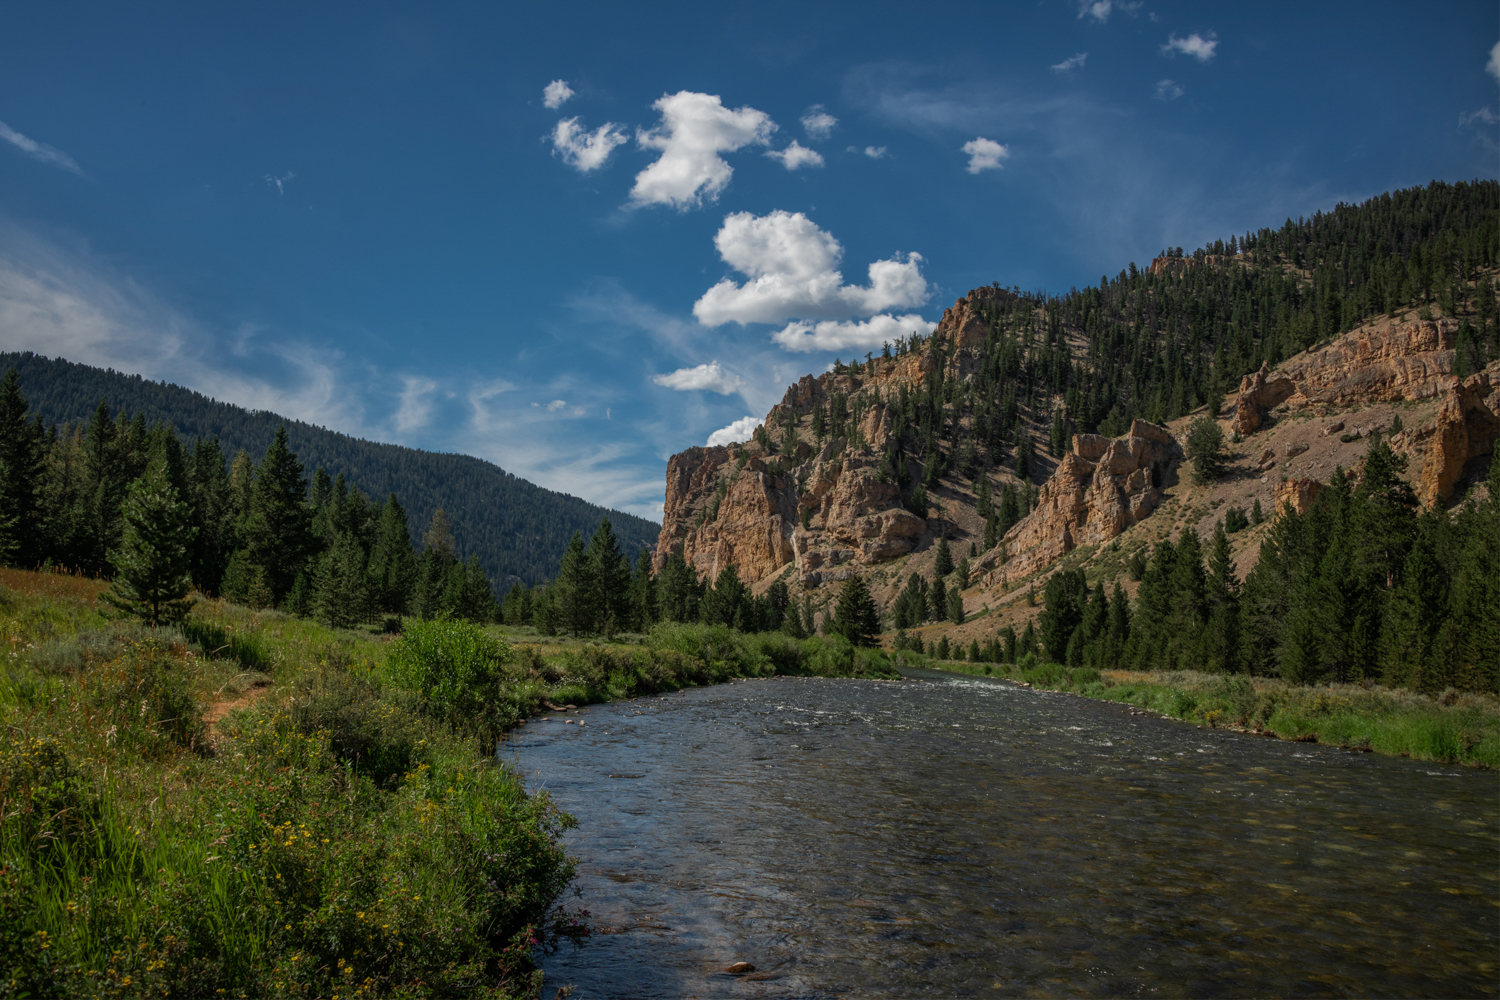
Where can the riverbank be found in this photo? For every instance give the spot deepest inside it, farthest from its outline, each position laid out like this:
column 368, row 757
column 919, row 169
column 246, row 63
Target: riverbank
column 252, row 804
column 1454, row 727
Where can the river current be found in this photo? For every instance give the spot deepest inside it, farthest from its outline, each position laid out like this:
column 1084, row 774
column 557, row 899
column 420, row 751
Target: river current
column 954, row 836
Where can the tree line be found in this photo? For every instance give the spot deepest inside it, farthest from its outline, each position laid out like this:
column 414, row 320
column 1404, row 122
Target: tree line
column 117, row 498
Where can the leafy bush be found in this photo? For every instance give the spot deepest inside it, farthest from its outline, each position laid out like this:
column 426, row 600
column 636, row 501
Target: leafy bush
column 143, row 695
column 453, row 668
column 372, row 736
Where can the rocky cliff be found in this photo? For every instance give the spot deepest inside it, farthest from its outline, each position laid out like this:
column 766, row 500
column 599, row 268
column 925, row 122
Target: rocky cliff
column 1099, row 489
column 1392, row 362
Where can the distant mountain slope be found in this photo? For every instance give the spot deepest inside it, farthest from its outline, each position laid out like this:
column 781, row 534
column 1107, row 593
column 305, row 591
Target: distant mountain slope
column 516, row 528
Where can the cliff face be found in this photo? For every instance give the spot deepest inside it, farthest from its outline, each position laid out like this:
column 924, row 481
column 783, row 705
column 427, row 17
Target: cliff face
column 1396, row 362
column 1099, row 489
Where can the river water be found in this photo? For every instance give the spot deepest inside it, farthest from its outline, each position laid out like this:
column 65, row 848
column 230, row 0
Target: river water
column 954, row 836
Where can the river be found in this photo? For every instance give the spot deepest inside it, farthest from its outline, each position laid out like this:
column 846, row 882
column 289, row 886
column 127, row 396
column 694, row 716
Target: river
column 955, row 836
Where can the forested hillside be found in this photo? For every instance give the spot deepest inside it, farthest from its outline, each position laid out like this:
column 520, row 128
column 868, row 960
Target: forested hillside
column 518, row 530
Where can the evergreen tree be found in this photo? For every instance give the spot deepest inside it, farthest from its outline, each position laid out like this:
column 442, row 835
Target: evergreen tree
column 340, row 597
column 643, row 611
column 277, row 530
column 1221, row 642
column 1065, row 595
column 983, row 499
column 467, row 594
column 611, row 577
column 575, row 589
column 857, row 618
column 152, row 564
column 213, row 514
column 1205, row 446
column 955, row 605
column 22, row 465
column 725, row 604
column 944, row 560
column 393, row 564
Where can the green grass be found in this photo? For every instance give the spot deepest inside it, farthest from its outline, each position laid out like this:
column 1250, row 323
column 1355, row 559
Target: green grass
column 1453, row 728
column 256, row 805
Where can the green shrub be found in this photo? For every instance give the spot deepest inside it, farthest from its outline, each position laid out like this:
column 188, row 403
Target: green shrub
column 372, row 736
column 452, row 668
column 144, row 697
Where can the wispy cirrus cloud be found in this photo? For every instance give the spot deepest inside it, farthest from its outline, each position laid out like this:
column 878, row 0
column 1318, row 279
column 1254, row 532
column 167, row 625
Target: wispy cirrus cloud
column 40, row 150
column 1168, row 90
column 1071, row 63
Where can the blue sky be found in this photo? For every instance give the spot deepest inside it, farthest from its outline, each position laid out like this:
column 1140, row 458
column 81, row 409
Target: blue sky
column 575, row 239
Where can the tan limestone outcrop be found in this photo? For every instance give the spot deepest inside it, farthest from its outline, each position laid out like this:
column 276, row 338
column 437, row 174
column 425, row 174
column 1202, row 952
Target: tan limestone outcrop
column 1465, row 429
column 1259, row 393
column 1299, row 493
column 1098, row 490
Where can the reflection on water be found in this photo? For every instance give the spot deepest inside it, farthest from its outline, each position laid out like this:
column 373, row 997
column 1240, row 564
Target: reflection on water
column 962, row 837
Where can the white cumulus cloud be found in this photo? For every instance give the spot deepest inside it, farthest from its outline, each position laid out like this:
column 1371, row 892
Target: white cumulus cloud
column 556, row 93
column 985, row 154
column 1070, row 63
column 39, row 150
column 796, row 155
column 1168, row 90
column 1493, row 66
column 1195, row 45
column 711, row 377
column 792, row 266
column 694, row 130
column 1097, row 9
column 742, row 429
column 876, row 152
column 837, row 335
column 818, row 123
column 583, row 149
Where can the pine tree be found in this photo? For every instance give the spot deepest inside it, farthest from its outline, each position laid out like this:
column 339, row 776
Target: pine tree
column 575, row 589
column 643, row 612
column 340, row 598
column 944, row 560
column 1065, row 595
column 983, row 501
column 467, row 594
column 1205, row 446
column 393, row 564
column 611, row 576
column 213, row 514
column 277, row 530
column 955, row 605
column 22, row 464
column 857, row 618
column 152, row 564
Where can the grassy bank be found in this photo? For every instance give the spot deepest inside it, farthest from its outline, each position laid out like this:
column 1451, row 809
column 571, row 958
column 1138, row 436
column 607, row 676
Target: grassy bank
column 256, row 805
column 1455, row 728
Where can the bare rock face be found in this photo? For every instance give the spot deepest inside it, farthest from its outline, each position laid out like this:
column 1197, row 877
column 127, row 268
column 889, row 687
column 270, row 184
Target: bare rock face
column 1259, row 393
column 1466, row 429
column 751, row 529
column 1399, row 361
column 1098, row 490
column 1299, row 493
